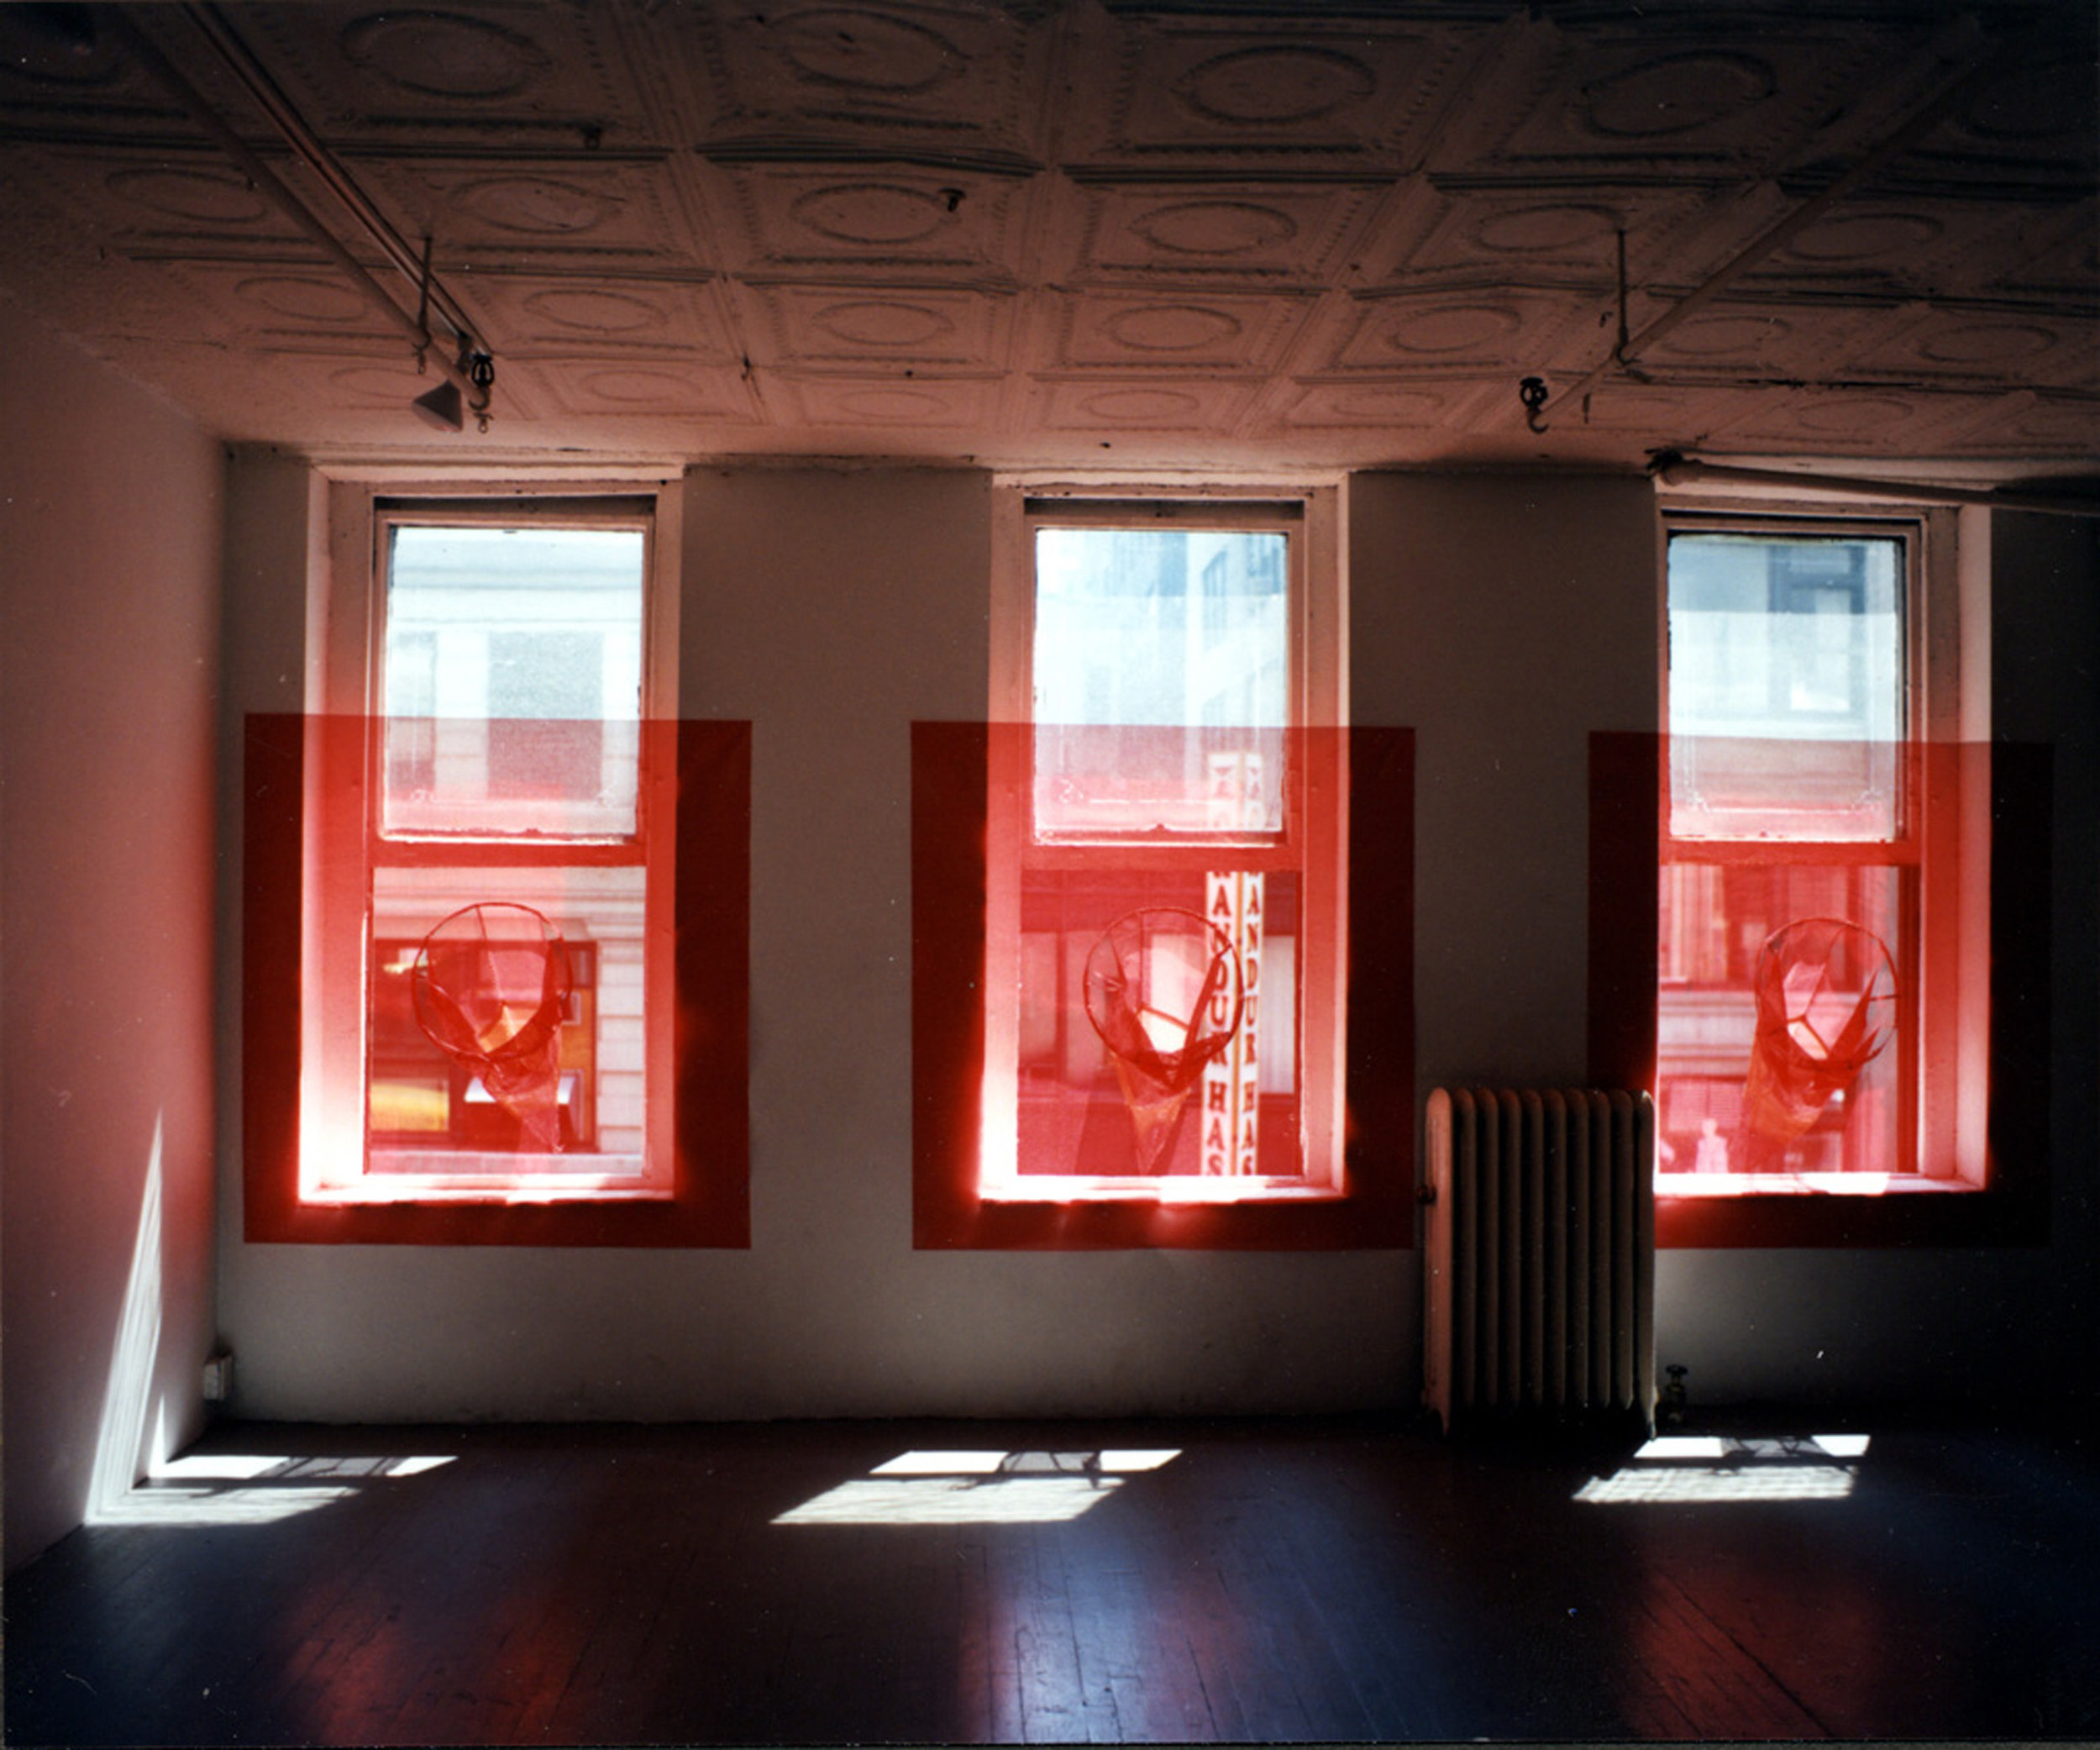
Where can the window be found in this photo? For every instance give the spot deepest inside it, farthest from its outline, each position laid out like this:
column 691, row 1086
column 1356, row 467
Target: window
column 1164, row 896
column 1813, row 998
column 495, row 815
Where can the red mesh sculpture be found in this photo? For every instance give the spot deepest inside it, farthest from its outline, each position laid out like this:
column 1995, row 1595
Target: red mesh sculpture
column 490, row 984
column 1825, row 991
column 1163, row 990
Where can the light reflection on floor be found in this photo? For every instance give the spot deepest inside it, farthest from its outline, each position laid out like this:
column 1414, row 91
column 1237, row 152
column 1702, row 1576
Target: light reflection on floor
column 973, row 1487
column 218, row 1489
column 1681, row 1469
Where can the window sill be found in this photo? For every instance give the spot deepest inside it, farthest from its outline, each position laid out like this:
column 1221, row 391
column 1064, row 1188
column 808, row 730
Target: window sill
column 1805, row 1184
column 1199, row 1192
column 423, row 1192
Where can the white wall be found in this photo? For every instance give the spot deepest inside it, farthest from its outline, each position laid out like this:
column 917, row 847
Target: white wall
column 831, row 609
column 110, row 512
column 1503, row 617
column 1952, row 1326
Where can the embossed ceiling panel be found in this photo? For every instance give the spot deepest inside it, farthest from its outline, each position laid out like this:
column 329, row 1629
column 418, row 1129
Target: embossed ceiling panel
column 1656, row 416
column 1499, row 234
column 951, row 405
column 945, row 327
column 59, row 76
column 1854, row 422
column 1902, row 246
column 1690, row 102
column 145, row 200
column 1065, row 233
column 1988, row 347
column 503, row 212
column 2056, row 261
column 880, row 217
column 498, row 71
column 2025, row 425
column 1293, row 232
column 2032, row 123
column 1177, row 405
column 274, row 303
column 543, row 314
column 1357, row 406
column 615, row 388
column 1204, row 330
column 968, row 76
column 1325, row 88
column 1441, row 331
column 1750, row 341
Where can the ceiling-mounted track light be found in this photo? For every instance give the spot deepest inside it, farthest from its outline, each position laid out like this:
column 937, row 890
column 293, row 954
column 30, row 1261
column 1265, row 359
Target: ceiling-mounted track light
column 442, row 408
column 472, row 378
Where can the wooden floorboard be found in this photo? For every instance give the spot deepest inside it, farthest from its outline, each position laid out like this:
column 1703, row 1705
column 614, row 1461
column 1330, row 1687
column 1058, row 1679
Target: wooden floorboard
column 1289, row 1581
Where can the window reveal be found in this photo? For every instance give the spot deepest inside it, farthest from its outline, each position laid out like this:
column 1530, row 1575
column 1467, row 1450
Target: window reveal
column 1798, row 808
column 1150, row 901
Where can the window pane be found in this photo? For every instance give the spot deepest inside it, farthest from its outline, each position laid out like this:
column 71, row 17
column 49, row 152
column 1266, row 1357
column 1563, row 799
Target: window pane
column 507, row 1031
column 1161, row 681
column 1779, row 1025
column 512, row 681
column 1786, row 670
column 1158, row 1025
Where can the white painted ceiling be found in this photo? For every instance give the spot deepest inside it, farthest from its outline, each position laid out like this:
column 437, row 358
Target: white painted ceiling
column 1067, row 232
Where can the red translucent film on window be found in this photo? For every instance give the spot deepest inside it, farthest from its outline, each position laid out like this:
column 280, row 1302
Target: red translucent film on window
column 1161, row 930
column 1827, row 1011
column 1091, row 782
column 481, row 776
column 1157, row 1026
column 1792, row 970
column 1738, row 788
column 506, row 1015
column 1132, row 1011
column 500, row 1010
column 508, row 988
column 1786, row 1018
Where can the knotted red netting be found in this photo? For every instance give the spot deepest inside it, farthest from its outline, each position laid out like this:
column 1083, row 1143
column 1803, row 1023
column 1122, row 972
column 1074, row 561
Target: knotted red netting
column 1825, row 991
column 490, row 984
column 1162, row 988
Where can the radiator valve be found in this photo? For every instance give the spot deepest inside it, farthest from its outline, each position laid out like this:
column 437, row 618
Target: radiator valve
column 1675, row 1398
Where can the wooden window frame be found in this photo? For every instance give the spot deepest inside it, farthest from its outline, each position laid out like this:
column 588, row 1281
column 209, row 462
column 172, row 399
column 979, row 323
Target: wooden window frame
column 1313, row 841
column 1944, row 850
column 313, row 841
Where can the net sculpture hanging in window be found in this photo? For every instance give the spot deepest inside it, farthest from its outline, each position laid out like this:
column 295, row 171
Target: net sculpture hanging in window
column 1163, row 990
column 1826, row 1006
column 491, row 985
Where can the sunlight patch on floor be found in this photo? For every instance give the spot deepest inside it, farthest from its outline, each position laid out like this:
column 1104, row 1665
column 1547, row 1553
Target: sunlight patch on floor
column 220, row 1488
column 1682, row 1469
column 978, row 1487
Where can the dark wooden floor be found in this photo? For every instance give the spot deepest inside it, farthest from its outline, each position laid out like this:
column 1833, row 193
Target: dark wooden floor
column 1336, row 1580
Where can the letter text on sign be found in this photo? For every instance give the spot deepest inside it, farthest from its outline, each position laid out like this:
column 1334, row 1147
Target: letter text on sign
column 1233, row 901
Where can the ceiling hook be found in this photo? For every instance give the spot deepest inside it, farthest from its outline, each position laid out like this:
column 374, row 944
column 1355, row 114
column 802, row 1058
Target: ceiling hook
column 480, row 370
column 1531, row 391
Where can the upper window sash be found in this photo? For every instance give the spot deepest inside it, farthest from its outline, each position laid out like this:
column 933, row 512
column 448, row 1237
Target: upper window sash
column 1157, row 649
column 1792, row 663
column 510, row 670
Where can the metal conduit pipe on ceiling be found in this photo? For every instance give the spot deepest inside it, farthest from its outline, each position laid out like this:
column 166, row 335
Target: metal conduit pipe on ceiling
column 470, row 345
